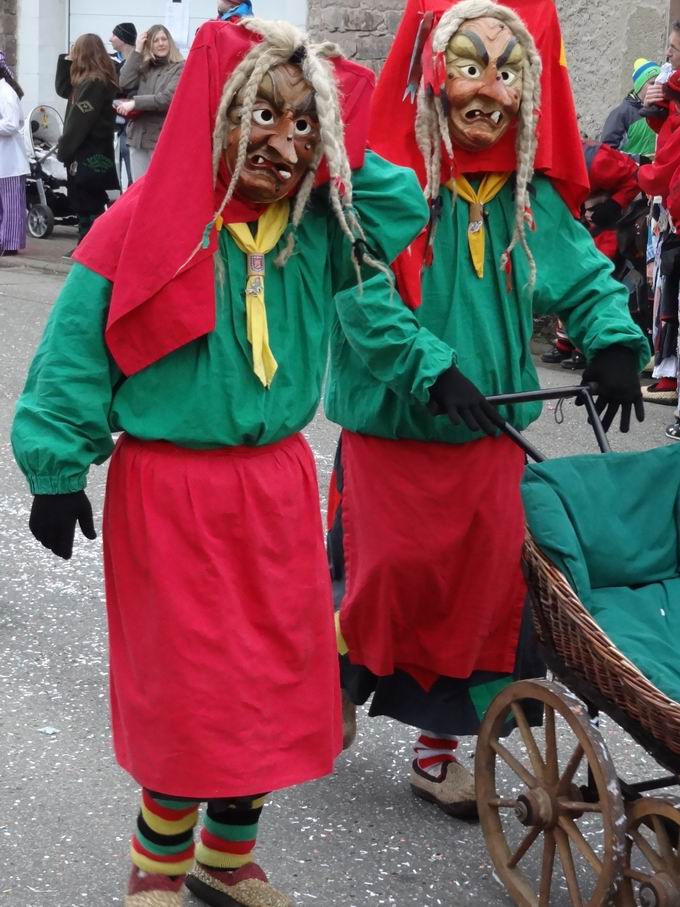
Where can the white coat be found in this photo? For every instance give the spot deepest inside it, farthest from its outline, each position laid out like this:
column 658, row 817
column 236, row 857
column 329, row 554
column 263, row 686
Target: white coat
column 13, row 158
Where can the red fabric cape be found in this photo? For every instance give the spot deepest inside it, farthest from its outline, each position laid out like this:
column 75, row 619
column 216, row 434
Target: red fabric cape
column 150, row 233
column 559, row 153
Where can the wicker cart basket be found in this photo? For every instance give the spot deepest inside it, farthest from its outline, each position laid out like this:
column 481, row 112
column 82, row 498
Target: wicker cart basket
column 565, row 627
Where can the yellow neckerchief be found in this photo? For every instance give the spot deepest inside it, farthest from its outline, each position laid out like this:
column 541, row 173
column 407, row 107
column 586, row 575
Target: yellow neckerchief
column 490, row 186
column 270, row 229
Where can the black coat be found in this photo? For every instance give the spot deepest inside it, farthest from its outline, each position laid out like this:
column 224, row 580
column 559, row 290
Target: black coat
column 86, row 145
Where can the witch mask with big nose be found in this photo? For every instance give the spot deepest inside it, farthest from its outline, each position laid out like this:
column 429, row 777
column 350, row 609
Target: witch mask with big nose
column 484, row 75
column 284, row 137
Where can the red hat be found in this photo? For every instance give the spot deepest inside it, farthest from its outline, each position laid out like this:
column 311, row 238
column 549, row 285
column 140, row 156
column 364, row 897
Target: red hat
column 164, row 295
column 613, row 172
column 558, row 154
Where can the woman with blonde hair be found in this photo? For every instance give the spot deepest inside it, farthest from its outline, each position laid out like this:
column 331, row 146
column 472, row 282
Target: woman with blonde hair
column 87, row 78
column 149, row 77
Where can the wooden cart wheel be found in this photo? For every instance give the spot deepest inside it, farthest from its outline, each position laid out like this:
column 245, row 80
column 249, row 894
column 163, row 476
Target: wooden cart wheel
column 535, row 806
column 652, row 871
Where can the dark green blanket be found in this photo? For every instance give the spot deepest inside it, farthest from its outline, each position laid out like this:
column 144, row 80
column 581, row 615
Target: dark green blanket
column 611, row 524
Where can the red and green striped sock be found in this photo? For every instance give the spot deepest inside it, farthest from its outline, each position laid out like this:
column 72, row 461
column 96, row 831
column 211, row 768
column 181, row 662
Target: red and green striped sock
column 229, row 832
column 163, row 842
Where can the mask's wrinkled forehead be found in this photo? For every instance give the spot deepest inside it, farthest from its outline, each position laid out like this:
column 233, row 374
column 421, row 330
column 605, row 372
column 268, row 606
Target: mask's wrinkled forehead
column 284, row 87
column 487, row 41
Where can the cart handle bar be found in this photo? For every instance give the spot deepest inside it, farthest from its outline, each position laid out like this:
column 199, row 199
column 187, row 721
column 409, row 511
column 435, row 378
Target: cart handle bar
column 583, row 391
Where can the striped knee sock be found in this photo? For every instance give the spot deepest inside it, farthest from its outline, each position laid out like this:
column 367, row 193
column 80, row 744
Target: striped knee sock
column 163, row 842
column 229, row 832
column 433, row 751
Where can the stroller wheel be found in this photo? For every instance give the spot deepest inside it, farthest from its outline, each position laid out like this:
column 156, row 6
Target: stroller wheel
column 652, row 873
column 40, row 221
column 549, row 801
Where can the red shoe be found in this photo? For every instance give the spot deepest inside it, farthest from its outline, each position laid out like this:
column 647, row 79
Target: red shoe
column 244, row 887
column 148, row 890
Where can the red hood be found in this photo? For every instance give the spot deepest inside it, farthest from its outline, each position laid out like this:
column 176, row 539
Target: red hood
column 151, row 232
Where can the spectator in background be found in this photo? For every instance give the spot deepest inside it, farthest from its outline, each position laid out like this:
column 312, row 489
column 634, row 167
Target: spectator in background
column 123, row 38
column 87, row 79
column 234, row 9
column 13, row 164
column 625, row 128
column 149, row 77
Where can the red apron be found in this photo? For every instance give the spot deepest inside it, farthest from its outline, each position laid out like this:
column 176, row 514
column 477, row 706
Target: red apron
column 432, row 537
column 224, row 673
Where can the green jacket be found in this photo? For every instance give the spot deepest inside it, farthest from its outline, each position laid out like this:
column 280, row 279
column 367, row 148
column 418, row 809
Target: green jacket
column 485, row 328
column 205, row 394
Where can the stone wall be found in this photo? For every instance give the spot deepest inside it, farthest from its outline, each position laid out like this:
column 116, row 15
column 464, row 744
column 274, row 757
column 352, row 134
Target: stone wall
column 8, row 30
column 603, row 38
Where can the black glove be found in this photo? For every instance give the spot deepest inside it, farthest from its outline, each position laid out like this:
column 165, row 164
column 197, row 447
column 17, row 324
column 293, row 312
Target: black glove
column 614, row 370
column 454, row 395
column 606, row 214
column 54, row 517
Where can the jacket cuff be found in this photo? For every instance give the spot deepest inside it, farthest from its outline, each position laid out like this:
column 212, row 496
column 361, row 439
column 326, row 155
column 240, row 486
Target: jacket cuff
column 57, row 484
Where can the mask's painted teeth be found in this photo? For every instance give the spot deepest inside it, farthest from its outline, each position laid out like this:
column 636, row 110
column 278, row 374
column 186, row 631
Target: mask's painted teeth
column 496, row 117
column 284, row 174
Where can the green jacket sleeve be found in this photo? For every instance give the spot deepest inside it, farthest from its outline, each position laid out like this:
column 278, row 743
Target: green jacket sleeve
column 575, row 281
column 372, row 318
column 61, row 422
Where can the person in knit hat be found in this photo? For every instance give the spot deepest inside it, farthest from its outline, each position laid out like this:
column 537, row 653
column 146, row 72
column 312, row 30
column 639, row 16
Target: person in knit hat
column 196, row 322
column 123, row 38
column 625, row 128
column 426, row 514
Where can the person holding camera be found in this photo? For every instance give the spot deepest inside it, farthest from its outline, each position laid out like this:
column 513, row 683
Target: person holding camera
column 149, row 77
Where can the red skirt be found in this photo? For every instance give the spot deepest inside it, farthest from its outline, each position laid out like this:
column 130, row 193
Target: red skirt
column 432, row 537
column 224, row 672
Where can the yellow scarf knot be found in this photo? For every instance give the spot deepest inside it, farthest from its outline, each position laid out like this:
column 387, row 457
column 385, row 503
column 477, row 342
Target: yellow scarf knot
column 270, row 229
column 490, row 186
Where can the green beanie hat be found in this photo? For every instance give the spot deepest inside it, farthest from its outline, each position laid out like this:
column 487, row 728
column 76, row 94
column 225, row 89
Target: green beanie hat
column 643, row 71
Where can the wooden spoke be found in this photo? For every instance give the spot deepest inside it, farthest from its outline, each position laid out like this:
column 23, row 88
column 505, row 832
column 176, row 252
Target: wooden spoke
column 547, row 865
column 567, row 861
column 572, row 767
column 520, row 770
column 529, row 741
column 667, row 853
column 578, row 806
column 636, row 875
column 498, row 803
column 524, row 847
column 647, row 850
column 584, row 848
column 552, row 767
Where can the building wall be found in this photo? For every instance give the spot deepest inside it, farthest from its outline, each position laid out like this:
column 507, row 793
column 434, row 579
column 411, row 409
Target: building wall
column 603, row 38
column 8, row 30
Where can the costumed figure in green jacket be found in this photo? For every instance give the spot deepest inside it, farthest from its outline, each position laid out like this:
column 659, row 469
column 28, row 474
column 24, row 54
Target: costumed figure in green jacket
column 426, row 519
column 196, row 322
column 87, row 79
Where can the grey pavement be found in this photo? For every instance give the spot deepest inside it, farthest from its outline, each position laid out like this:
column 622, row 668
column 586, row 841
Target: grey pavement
column 66, row 811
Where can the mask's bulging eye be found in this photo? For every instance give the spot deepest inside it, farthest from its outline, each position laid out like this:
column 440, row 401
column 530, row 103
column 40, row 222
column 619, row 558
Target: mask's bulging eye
column 471, row 70
column 303, row 127
column 507, row 76
column 263, row 117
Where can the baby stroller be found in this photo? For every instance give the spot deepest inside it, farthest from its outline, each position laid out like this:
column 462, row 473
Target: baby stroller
column 602, row 561
column 46, row 193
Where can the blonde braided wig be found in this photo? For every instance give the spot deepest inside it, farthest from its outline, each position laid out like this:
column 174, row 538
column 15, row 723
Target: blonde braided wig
column 432, row 124
column 283, row 43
